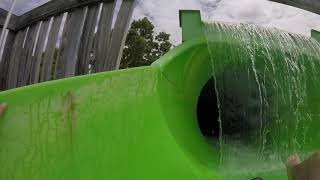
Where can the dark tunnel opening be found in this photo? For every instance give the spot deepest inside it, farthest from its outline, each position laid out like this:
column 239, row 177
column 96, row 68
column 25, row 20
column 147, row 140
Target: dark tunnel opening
column 238, row 121
column 208, row 111
column 241, row 112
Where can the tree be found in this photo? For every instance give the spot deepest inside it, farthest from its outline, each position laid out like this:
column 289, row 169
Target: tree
column 142, row 48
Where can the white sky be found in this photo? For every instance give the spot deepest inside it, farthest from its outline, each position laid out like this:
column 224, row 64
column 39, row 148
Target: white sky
column 164, row 13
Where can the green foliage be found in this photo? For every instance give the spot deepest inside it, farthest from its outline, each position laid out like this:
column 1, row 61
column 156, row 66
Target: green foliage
column 142, row 48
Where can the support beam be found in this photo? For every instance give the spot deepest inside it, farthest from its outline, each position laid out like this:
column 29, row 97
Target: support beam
column 13, row 20
column 53, row 8
column 315, row 34
column 191, row 24
column 309, row 5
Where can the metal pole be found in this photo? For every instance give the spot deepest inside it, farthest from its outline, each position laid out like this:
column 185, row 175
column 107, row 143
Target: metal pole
column 5, row 26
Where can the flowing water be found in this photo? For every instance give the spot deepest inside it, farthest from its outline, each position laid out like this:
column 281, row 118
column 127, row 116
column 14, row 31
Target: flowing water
column 265, row 81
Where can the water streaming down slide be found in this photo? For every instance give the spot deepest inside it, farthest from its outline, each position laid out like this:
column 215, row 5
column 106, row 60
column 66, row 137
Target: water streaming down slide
column 231, row 102
column 264, row 81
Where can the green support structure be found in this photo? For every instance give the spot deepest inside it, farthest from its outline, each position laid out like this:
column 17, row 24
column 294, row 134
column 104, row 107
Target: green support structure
column 315, row 34
column 191, row 24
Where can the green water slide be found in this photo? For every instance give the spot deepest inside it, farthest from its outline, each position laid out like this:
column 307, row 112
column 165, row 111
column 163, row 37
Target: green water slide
column 231, row 102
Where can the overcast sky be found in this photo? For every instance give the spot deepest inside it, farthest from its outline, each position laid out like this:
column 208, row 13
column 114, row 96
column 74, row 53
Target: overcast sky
column 164, row 13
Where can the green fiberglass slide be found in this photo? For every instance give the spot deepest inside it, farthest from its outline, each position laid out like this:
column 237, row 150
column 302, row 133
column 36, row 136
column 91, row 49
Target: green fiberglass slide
column 231, row 102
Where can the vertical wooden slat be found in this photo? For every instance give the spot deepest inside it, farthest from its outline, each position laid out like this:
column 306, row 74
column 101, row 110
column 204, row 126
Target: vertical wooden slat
column 86, row 43
column 0, row 33
column 6, row 60
column 14, row 60
column 119, row 35
column 37, row 59
column 103, row 35
column 50, row 50
column 26, row 56
column 67, row 59
column 1, row 43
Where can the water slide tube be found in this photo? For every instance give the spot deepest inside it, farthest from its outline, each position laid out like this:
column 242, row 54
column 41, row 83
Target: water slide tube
column 141, row 123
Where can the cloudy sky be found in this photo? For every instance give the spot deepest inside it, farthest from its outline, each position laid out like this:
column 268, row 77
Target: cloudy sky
column 164, row 13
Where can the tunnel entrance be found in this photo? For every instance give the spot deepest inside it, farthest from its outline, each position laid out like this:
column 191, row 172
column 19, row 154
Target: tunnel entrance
column 241, row 112
column 208, row 111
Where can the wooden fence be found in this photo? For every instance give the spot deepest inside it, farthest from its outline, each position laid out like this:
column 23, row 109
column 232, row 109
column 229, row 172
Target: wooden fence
column 63, row 38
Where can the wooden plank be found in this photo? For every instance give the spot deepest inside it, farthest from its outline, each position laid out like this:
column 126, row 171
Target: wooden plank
column 5, row 61
column 14, row 59
column 37, row 59
column 53, row 8
column 309, row 5
column 13, row 20
column 51, row 48
column 26, row 56
column 103, row 36
column 119, row 35
column 67, row 59
column 2, row 44
column 86, row 44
